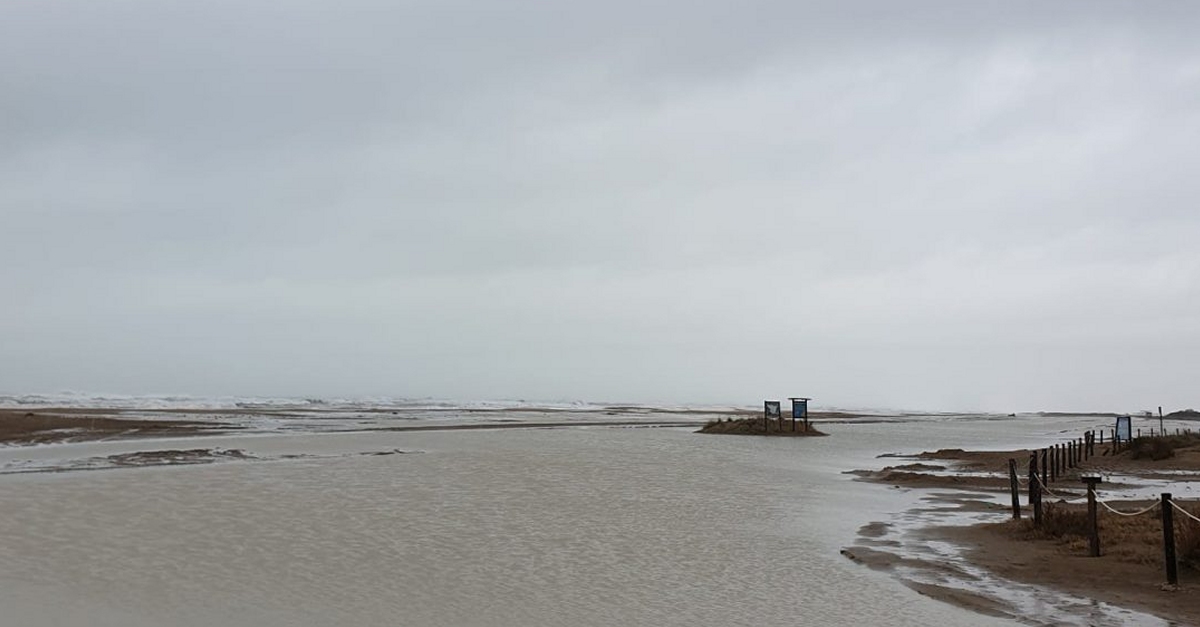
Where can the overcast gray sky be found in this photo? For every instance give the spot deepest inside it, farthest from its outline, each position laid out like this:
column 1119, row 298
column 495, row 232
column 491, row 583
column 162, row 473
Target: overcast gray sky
column 945, row 205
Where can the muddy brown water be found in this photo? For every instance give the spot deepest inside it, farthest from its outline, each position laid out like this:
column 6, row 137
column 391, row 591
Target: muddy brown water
column 566, row 526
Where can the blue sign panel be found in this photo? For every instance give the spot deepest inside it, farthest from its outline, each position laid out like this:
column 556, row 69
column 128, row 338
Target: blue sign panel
column 1124, row 429
column 799, row 409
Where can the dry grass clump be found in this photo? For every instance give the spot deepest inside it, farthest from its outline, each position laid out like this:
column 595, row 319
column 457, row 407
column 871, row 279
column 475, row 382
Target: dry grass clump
column 1133, row 539
column 1059, row 521
column 1187, row 539
column 1161, row 447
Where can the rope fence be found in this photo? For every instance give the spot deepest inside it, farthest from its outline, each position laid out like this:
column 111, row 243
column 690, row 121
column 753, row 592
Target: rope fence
column 1046, row 489
column 1051, row 463
column 1182, row 511
column 1131, row 514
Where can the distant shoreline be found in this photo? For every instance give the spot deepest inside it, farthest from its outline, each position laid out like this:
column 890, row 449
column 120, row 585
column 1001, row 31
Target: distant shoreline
column 23, row 428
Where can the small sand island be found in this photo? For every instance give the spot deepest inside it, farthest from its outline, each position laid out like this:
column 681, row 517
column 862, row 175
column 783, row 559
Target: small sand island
column 758, row 426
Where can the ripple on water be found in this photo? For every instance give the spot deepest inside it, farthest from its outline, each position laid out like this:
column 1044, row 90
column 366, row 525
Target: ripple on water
column 548, row 527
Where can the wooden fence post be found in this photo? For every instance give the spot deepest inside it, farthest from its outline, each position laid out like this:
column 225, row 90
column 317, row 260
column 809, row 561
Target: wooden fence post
column 1016, row 490
column 1168, row 522
column 1053, row 462
column 1045, row 458
column 1035, row 488
column 1093, row 523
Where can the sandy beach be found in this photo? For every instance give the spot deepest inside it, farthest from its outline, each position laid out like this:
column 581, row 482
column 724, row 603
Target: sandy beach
column 1130, row 570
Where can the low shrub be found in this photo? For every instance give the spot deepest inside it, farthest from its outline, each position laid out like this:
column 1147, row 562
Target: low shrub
column 1061, row 522
column 1161, row 447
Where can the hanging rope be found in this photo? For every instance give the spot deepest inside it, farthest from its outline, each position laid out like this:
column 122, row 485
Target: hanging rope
column 1105, row 504
column 1052, row 492
column 1184, row 511
column 1128, row 514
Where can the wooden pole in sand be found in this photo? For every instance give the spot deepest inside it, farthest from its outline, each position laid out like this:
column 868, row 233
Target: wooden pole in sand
column 1071, row 454
column 1033, row 469
column 1035, row 488
column 1093, row 523
column 1045, row 458
column 1016, row 489
column 1053, row 462
column 1168, row 522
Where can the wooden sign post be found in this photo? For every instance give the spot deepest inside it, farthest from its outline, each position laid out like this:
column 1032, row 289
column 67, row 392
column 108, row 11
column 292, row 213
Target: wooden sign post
column 799, row 410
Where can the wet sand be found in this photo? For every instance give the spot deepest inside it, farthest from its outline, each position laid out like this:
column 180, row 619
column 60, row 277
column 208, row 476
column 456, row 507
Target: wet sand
column 1130, row 571
column 45, row 427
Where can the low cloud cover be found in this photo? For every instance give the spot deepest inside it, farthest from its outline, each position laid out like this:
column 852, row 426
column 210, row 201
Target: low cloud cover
column 924, row 205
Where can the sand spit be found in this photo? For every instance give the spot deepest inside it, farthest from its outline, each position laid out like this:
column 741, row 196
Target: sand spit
column 171, row 457
column 175, row 457
column 968, row 507
column 24, row 428
column 51, row 426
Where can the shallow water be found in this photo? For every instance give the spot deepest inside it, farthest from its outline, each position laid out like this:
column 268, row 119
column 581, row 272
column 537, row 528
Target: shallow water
column 579, row 526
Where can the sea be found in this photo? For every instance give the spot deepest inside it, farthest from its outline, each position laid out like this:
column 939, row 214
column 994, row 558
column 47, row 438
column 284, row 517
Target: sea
column 335, row 512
